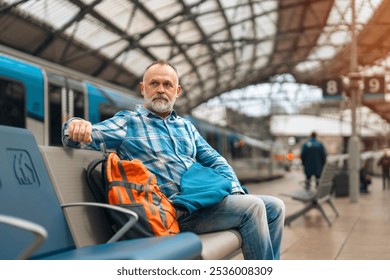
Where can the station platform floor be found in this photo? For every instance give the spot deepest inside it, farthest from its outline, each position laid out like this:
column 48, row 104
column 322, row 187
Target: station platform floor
column 361, row 232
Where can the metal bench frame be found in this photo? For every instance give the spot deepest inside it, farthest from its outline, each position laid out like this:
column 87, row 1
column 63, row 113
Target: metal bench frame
column 314, row 199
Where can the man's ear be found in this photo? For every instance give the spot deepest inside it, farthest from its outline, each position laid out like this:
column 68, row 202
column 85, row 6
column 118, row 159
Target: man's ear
column 178, row 92
column 141, row 87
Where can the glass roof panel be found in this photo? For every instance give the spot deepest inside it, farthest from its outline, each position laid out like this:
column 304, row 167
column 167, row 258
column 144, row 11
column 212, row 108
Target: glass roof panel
column 163, row 9
column 183, row 66
column 10, row 1
column 111, row 50
column 198, row 51
column 53, row 13
column 222, row 35
column 226, row 78
column 190, row 2
column 222, row 47
column 266, row 25
column 339, row 37
column 243, row 69
column 265, row 48
column 205, row 7
column 119, row 12
column 135, row 61
column 140, row 23
column 209, row 86
column 219, row 36
column 158, row 44
column 206, row 70
column 211, row 22
column 242, row 30
column 261, row 62
column 93, row 33
column 226, row 60
column 341, row 15
column 185, row 32
column 246, row 52
column 265, row 7
column 240, row 13
column 88, row 1
column 229, row 3
column 161, row 52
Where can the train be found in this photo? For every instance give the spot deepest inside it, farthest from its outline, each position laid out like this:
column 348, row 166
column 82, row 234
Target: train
column 40, row 96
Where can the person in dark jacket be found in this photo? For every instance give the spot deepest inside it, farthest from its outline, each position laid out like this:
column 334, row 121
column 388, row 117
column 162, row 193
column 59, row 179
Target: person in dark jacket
column 385, row 163
column 365, row 178
column 313, row 157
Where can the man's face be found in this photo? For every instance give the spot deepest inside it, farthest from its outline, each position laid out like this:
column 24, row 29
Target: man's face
column 160, row 89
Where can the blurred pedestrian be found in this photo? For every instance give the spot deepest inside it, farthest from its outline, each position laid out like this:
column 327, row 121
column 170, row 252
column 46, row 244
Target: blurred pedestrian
column 385, row 163
column 313, row 157
column 365, row 178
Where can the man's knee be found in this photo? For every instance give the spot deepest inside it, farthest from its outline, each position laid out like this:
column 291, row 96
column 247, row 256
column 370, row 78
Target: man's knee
column 248, row 204
column 276, row 208
column 264, row 204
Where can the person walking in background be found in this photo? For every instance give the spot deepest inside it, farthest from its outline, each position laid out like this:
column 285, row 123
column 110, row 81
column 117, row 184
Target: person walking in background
column 313, row 157
column 365, row 178
column 385, row 163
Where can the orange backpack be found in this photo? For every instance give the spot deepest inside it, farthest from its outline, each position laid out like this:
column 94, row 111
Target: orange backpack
column 129, row 184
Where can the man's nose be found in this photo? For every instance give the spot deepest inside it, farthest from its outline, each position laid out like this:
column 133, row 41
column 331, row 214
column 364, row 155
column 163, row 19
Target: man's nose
column 161, row 88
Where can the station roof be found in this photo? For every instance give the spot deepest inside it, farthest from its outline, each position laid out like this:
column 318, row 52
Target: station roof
column 217, row 45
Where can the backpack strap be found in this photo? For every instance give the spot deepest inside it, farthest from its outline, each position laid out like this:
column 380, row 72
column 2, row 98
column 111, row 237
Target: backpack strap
column 96, row 181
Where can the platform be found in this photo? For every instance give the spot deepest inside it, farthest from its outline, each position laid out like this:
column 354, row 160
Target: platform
column 361, row 232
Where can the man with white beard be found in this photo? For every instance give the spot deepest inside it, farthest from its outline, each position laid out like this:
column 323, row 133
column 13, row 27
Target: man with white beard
column 168, row 145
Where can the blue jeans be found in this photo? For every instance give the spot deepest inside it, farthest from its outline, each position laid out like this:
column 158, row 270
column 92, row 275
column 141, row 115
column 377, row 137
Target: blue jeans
column 258, row 218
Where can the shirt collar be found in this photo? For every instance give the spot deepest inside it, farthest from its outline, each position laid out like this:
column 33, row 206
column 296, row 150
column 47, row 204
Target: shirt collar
column 146, row 112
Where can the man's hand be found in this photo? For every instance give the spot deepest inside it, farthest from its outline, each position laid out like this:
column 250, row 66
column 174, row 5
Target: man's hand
column 80, row 130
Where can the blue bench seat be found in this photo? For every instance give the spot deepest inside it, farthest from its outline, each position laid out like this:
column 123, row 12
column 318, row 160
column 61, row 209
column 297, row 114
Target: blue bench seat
column 27, row 194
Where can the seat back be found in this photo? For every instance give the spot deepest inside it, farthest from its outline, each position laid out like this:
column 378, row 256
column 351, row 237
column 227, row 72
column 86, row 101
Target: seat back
column 67, row 168
column 325, row 184
column 26, row 192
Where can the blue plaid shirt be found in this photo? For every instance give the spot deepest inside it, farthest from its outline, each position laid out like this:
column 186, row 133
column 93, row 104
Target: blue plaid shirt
column 167, row 147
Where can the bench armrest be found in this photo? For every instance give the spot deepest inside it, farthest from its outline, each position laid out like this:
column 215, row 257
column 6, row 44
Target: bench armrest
column 39, row 232
column 133, row 217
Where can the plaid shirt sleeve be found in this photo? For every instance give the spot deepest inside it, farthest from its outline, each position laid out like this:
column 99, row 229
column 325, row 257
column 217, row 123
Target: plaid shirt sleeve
column 110, row 133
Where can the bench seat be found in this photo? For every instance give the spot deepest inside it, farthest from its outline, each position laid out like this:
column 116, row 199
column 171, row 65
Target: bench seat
column 69, row 180
column 314, row 199
column 220, row 245
column 32, row 220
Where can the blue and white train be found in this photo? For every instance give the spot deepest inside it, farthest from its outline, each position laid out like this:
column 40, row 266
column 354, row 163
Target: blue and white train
column 39, row 95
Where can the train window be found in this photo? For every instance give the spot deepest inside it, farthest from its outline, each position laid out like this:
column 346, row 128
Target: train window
column 12, row 103
column 212, row 139
column 78, row 104
column 240, row 149
column 107, row 111
column 55, row 120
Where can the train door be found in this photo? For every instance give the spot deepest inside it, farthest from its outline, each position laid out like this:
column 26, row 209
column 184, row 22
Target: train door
column 66, row 99
column 22, row 96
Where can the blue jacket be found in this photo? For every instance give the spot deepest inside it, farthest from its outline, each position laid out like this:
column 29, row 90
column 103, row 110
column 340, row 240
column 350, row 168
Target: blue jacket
column 201, row 187
column 313, row 156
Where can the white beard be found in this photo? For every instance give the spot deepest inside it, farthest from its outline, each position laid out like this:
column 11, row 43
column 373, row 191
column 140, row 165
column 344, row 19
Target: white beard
column 159, row 104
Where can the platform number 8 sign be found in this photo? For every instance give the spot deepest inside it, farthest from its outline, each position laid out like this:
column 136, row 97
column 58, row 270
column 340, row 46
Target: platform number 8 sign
column 332, row 88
